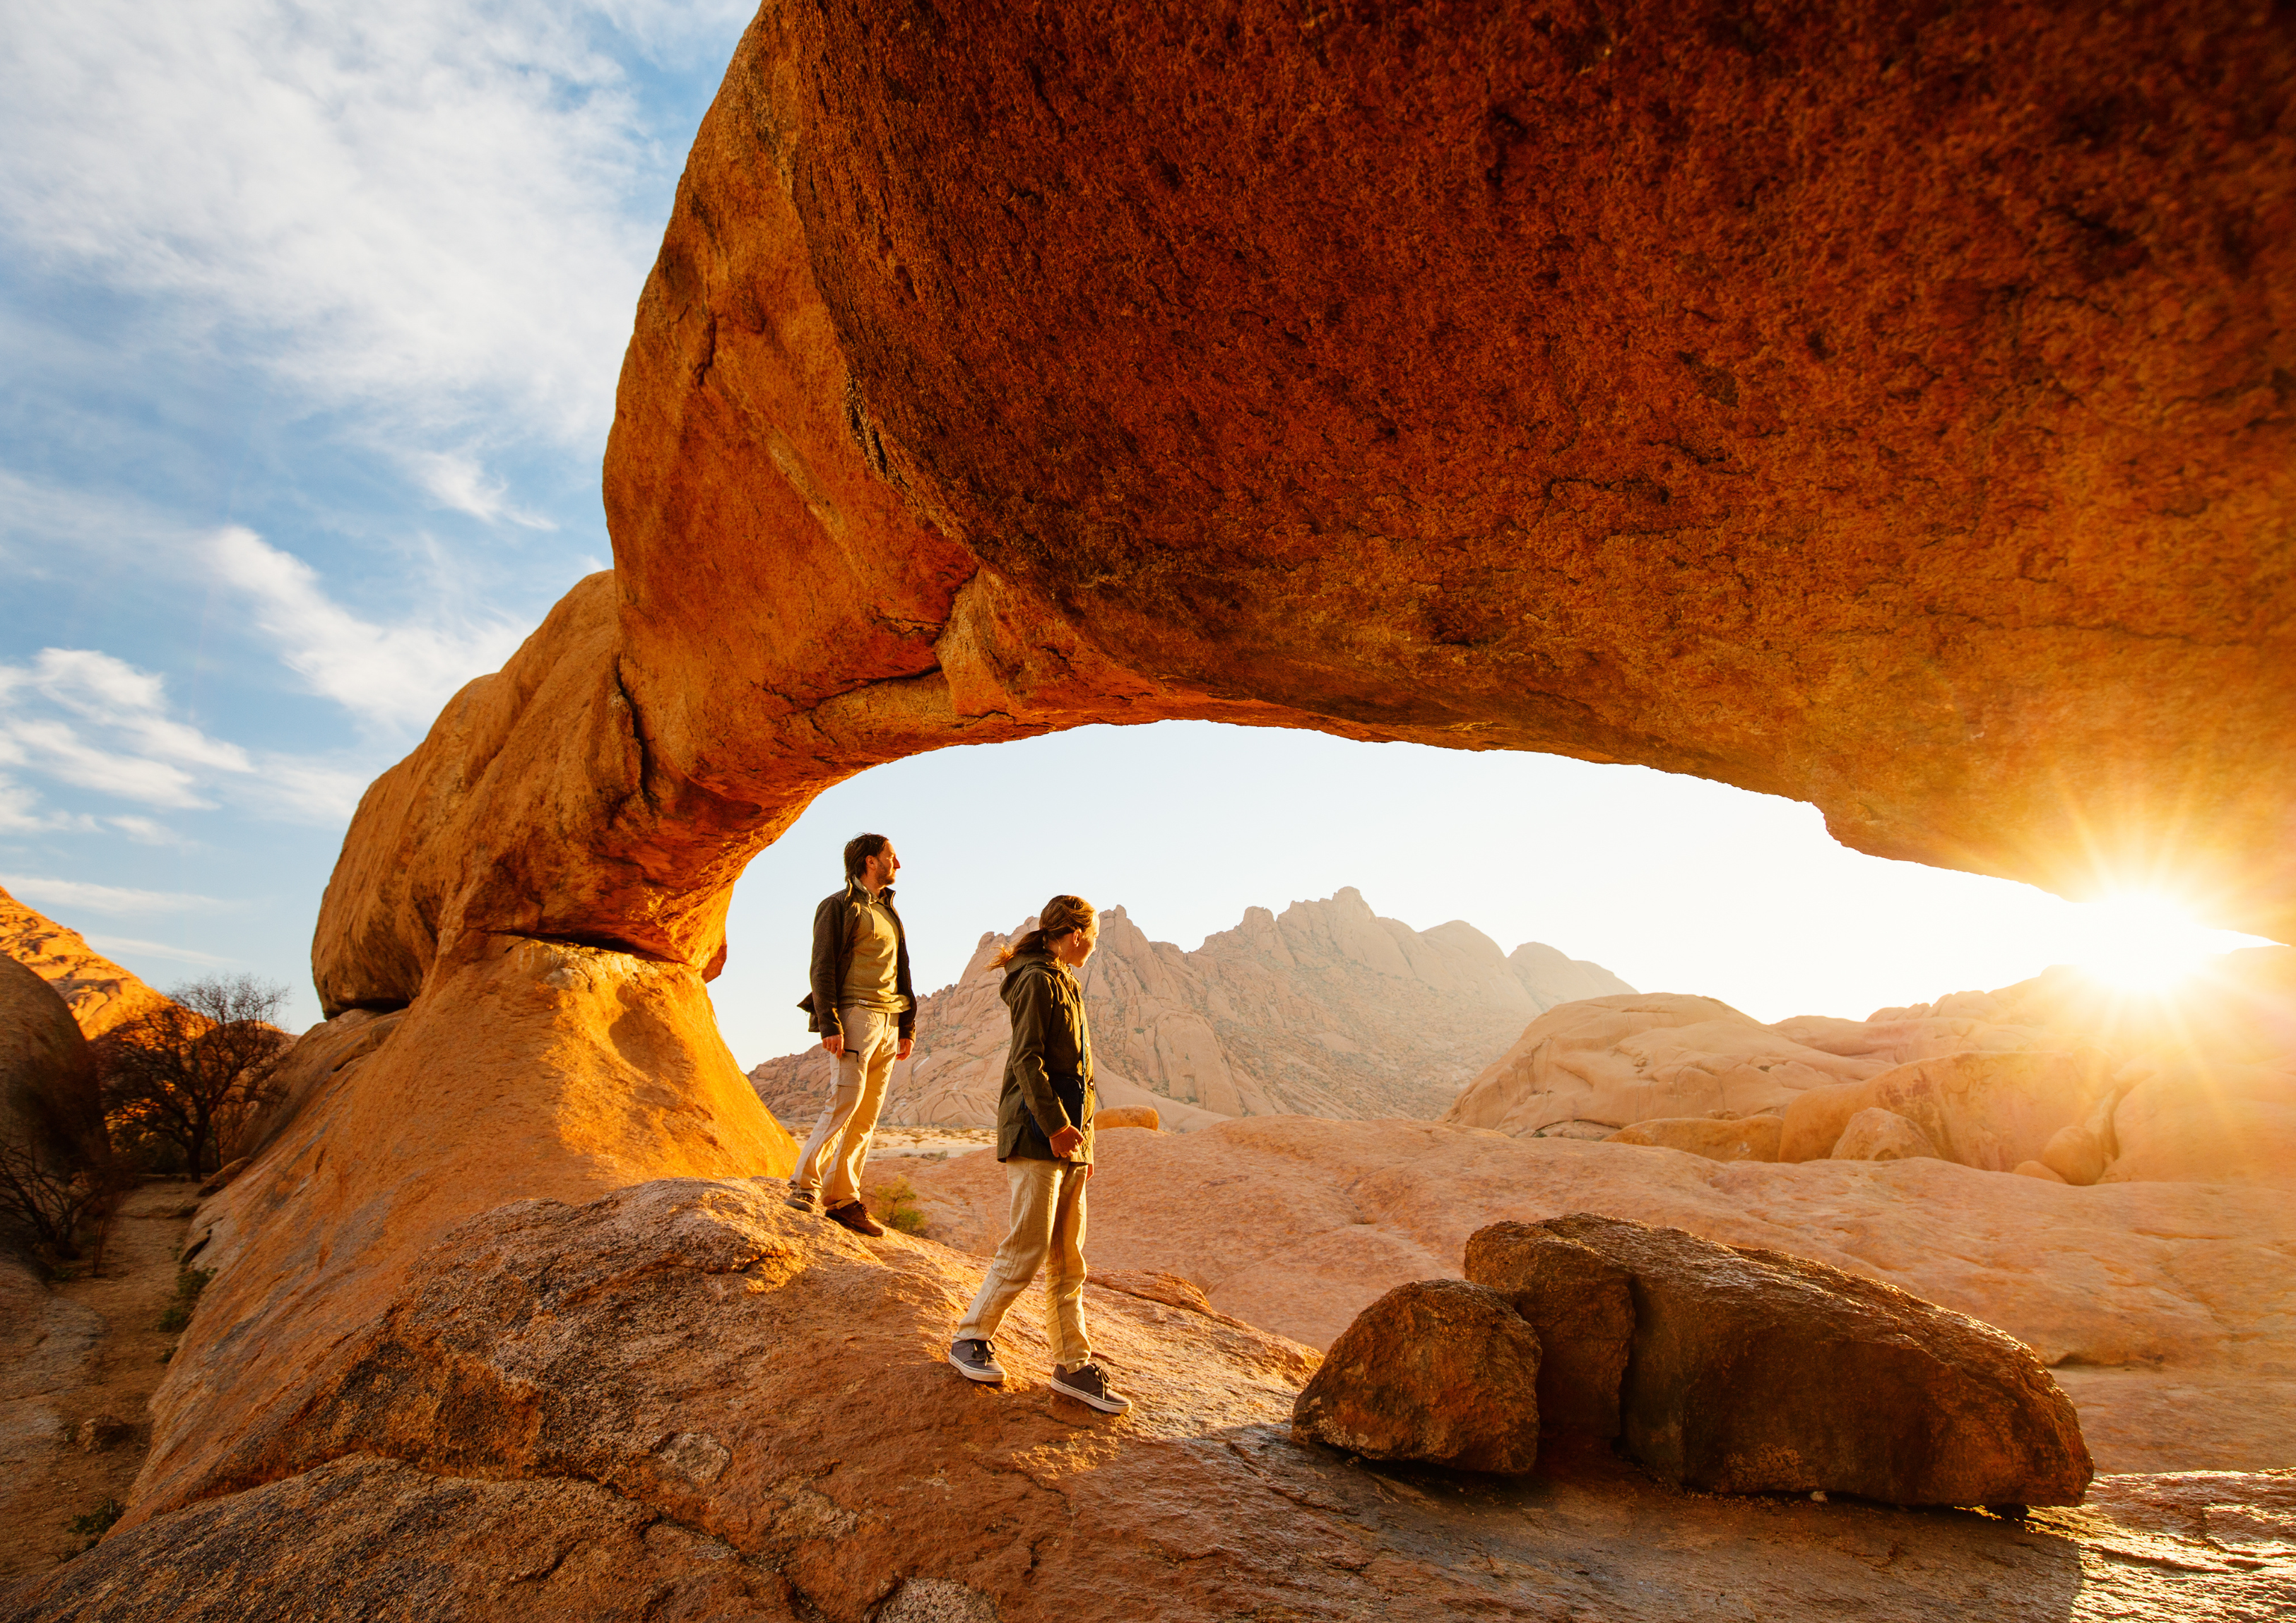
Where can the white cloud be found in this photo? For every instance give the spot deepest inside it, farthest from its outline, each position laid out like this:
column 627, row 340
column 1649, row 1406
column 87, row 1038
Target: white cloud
column 158, row 949
column 439, row 207
column 82, row 718
column 399, row 674
column 145, row 831
column 101, row 899
column 457, row 481
column 20, row 813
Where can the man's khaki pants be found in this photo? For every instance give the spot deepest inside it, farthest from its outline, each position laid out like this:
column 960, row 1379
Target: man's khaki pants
column 840, row 1138
column 1046, row 1226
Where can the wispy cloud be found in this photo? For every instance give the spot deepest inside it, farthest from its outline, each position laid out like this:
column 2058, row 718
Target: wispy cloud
column 398, row 675
column 81, row 896
column 458, row 481
column 81, row 717
column 158, row 949
column 436, row 208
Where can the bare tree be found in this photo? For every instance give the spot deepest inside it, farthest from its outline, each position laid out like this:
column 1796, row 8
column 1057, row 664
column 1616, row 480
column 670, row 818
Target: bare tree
column 54, row 1193
column 197, row 1069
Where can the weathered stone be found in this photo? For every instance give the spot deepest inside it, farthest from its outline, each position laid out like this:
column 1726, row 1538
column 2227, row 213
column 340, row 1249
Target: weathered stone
column 1437, row 1371
column 1815, row 1119
column 1581, row 1305
column 1752, row 1138
column 2074, row 1154
column 1877, row 1134
column 1127, row 1116
column 1754, row 1372
column 2207, row 1126
column 2046, row 1174
column 48, row 1101
column 101, row 993
column 1652, row 1056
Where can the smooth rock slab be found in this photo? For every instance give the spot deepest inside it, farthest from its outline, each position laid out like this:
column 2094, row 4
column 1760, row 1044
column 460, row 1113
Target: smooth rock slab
column 1437, row 1371
column 1754, row 1372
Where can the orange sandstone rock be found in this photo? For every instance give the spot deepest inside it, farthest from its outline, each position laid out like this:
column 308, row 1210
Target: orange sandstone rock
column 102, row 993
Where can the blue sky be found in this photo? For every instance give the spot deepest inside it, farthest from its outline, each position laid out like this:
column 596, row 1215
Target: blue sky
column 311, row 319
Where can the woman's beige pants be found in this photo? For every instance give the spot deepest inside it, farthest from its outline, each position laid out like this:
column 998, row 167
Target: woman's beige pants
column 1045, row 1227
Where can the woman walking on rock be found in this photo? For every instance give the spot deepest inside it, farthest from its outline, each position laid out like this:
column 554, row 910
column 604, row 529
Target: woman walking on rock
column 1043, row 1137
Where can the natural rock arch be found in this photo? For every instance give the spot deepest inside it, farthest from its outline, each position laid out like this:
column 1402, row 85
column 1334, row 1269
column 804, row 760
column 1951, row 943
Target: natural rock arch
column 1888, row 408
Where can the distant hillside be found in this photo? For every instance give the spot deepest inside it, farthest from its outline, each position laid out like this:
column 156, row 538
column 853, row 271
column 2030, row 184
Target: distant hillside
column 1328, row 1010
column 101, row 992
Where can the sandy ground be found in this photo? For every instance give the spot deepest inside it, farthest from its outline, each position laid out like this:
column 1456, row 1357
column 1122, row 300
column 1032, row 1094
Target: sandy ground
column 930, row 1144
column 92, row 1348
column 925, row 1144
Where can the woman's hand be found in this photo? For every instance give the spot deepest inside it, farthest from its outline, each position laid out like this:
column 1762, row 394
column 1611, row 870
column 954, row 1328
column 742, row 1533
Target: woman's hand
column 1066, row 1142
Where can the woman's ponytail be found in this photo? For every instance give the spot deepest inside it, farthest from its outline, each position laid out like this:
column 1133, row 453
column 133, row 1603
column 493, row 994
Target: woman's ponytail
column 1062, row 915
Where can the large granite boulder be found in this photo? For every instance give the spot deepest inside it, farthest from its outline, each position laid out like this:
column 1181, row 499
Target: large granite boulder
column 1581, row 1304
column 48, row 1100
column 1437, row 1371
column 1755, row 1371
column 1876, row 1135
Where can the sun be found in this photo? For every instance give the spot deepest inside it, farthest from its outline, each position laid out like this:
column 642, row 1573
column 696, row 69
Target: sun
column 2142, row 941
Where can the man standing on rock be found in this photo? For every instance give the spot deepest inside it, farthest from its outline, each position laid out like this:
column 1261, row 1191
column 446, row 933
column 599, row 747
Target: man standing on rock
column 865, row 1010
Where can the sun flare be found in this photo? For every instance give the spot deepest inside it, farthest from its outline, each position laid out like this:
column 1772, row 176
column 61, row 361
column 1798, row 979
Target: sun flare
column 2142, row 941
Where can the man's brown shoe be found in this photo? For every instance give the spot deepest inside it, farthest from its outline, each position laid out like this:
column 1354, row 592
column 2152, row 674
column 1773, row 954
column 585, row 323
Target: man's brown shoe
column 855, row 1217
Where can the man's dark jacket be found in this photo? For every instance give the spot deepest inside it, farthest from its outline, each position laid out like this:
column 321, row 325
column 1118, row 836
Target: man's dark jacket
column 1049, row 1067
column 832, row 956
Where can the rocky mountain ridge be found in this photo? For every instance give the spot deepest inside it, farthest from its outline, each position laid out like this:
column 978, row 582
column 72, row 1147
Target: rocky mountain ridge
column 101, row 992
column 1326, row 1010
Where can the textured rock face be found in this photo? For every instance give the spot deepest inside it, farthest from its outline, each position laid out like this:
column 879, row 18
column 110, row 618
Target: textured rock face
column 1755, row 1371
column 1876, row 1135
column 1989, row 1109
column 2037, row 1073
column 101, row 993
column 1752, row 1139
column 1581, row 1304
column 995, row 377
column 1437, row 1371
column 48, row 1099
column 1324, row 1010
column 531, row 1069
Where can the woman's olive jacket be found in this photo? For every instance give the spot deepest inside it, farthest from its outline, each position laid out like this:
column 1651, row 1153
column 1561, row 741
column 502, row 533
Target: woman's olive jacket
column 1048, row 1069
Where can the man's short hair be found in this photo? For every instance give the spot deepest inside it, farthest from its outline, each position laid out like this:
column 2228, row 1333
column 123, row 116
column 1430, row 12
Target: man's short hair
column 859, row 849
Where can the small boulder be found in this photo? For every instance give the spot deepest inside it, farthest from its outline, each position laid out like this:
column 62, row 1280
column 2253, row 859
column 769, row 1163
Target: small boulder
column 2046, row 1174
column 2074, row 1155
column 1128, row 1116
column 1754, row 1372
column 1582, row 1305
column 1814, row 1119
column 1755, row 1138
column 1440, row 1371
column 1882, row 1136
